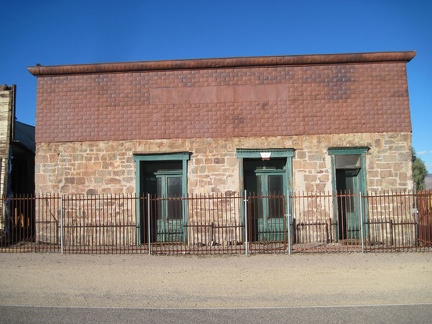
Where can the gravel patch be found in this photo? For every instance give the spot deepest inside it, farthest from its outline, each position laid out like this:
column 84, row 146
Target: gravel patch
column 143, row 281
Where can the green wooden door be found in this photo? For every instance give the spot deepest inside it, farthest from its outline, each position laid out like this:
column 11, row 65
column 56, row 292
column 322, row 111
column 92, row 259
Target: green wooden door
column 169, row 207
column 267, row 204
column 348, row 186
column 271, row 227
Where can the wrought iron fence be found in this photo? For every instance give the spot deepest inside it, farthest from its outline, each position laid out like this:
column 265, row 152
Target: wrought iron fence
column 211, row 224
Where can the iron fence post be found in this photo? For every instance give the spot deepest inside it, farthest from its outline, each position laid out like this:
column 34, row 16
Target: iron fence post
column 61, row 224
column 148, row 224
column 361, row 221
column 416, row 216
column 246, row 223
column 138, row 216
column 289, row 221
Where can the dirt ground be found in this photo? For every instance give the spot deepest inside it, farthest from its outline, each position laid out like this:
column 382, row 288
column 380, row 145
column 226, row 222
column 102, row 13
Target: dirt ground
column 142, row 281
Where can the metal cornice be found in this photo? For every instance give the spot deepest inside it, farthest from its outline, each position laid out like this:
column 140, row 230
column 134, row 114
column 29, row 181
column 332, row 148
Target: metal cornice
column 317, row 59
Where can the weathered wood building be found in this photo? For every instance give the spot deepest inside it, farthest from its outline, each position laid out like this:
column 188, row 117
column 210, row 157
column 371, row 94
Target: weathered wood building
column 17, row 158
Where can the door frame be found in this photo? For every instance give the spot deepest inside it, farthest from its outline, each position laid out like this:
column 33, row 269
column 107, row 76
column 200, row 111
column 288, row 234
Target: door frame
column 287, row 153
column 361, row 151
column 182, row 157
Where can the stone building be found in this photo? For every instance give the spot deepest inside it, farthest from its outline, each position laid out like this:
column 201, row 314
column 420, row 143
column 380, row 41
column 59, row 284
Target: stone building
column 310, row 123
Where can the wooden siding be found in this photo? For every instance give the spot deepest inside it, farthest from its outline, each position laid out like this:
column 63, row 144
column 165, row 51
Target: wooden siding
column 6, row 117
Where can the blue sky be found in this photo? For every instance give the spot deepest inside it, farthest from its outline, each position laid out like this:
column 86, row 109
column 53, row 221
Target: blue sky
column 93, row 31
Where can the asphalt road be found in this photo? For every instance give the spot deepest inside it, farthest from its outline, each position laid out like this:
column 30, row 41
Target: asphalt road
column 346, row 314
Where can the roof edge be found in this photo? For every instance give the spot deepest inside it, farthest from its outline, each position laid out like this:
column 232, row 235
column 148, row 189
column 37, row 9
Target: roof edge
column 232, row 62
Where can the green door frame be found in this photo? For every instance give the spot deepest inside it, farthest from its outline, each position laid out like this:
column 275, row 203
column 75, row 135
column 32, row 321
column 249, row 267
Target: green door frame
column 242, row 154
column 138, row 158
column 358, row 150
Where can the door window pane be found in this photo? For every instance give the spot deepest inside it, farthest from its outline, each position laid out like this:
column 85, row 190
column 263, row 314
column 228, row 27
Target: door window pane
column 348, row 161
column 275, row 184
column 276, row 205
column 174, row 187
column 259, row 185
column 174, row 193
column 159, row 196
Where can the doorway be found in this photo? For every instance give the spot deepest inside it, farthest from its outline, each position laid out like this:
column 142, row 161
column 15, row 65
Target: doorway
column 349, row 183
column 265, row 182
column 163, row 217
column 347, row 187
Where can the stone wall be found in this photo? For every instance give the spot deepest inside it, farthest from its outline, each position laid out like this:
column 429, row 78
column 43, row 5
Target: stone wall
column 108, row 167
column 213, row 168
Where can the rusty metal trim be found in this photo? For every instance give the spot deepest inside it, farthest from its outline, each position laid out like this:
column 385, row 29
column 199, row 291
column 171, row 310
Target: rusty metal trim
column 210, row 63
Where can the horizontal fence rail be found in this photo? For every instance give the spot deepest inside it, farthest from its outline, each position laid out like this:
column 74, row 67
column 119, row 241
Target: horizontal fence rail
column 218, row 224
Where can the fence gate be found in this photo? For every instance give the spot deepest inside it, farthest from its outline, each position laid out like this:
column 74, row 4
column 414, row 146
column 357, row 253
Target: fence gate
column 424, row 208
